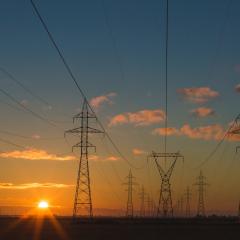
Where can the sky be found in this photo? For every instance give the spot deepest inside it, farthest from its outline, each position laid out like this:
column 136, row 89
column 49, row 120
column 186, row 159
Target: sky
column 116, row 51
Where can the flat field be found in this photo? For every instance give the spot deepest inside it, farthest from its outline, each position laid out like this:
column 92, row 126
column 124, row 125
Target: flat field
column 118, row 229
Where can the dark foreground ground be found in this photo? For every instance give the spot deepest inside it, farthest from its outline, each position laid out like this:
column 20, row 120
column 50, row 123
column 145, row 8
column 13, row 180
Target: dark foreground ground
column 119, row 229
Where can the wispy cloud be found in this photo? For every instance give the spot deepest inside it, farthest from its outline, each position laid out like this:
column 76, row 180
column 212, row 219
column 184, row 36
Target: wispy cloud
column 98, row 101
column 137, row 151
column 237, row 88
column 198, row 95
column 103, row 159
column 140, row 118
column 237, row 68
column 112, row 158
column 202, row 112
column 36, row 136
column 23, row 186
column 25, row 102
column 168, row 131
column 35, row 154
column 209, row 132
column 214, row 132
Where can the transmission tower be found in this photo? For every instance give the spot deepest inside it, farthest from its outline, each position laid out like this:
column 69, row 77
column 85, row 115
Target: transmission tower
column 178, row 208
column 83, row 200
column 142, row 195
column 181, row 206
column 201, row 184
column 239, row 211
column 165, row 208
column 235, row 129
column 130, row 183
column 149, row 205
column 188, row 198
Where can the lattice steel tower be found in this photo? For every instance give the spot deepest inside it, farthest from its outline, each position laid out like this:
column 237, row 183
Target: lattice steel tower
column 234, row 130
column 165, row 208
column 83, row 199
column 201, row 184
column 142, row 195
column 188, row 198
column 130, row 183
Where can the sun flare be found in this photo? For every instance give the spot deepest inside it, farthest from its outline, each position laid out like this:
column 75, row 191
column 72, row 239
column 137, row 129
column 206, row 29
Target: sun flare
column 43, row 205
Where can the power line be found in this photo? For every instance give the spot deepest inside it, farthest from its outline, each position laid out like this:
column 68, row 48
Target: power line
column 211, row 154
column 69, row 70
column 114, row 42
column 28, row 90
column 12, row 143
column 24, row 87
column 27, row 109
column 166, row 79
column 28, row 137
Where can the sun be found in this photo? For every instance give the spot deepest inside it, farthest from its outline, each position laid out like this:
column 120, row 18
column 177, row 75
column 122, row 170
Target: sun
column 43, row 204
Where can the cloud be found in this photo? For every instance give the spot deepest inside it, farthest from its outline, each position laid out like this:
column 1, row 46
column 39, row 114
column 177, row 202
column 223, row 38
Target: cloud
column 35, row 154
column 168, row 131
column 237, row 88
column 33, row 185
column 24, row 102
column 140, row 118
column 93, row 157
column 198, row 95
column 112, row 158
column 214, row 131
column 202, row 112
column 97, row 158
column 98, row 101
column 36, row 136
column 237, row 68
column 137, row 151
column 209, row 132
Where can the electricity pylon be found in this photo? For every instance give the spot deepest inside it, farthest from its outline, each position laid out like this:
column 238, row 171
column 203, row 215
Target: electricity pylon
column 130, row 183
column 149, row 205
column 83, row 200
column 201, row 184
column 235, row 129
column 165, row 208
column 177, row 210
column 142, row 195
column 181, row 207
column 239, row 211
column 188, row 198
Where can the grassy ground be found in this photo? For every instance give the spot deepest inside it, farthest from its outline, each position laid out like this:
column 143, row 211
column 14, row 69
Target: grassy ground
column 118, row 229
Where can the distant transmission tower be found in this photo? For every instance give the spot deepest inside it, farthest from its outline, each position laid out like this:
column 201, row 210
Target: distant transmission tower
column 149, row 205
column 142, row 195
column 83, row 200
column 201, row 184
column 165, row 208
column 239, row 211
column 181, row 207
column 188, row 198
column 130, row 183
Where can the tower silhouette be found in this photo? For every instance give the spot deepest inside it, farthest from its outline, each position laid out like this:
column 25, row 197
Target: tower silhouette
column 165, row 208
column 201, row 184
column 188, row 198
column 130, row 183
column 142, row 195
column 234, row 130
column 83, row 199
column 239, row 211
